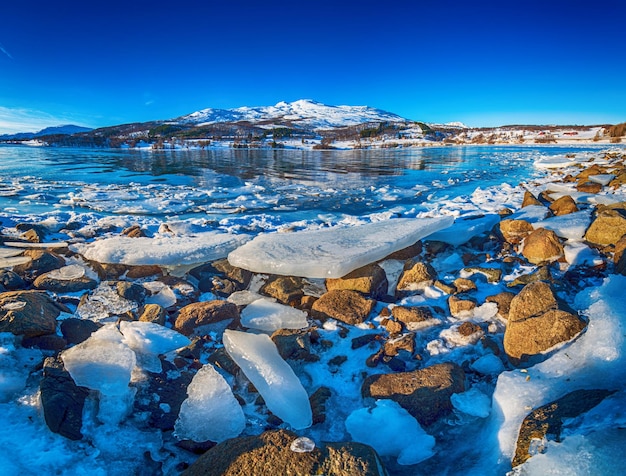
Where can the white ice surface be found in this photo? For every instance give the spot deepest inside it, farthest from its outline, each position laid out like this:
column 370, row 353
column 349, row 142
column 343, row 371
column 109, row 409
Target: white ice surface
column 270, row 316
column 211, row 411
column 164, row 250
column 464, row 230
column 391, row 431
column 472, row 402
column 555, row 162
column 258, row 358
column 571, row 226
column 335, row 252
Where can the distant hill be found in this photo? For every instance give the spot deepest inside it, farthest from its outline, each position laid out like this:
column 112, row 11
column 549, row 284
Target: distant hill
column 66, row 129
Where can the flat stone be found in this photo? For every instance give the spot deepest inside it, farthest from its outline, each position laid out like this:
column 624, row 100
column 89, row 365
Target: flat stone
column 343, row 305
column 369, row 280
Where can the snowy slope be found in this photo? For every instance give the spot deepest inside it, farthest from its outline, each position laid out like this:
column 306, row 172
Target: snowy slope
column 304, row 112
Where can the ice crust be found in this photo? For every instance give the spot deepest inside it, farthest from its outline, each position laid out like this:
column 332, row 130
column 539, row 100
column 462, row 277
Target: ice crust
column 258, row 358
column 211, row 411
column 335, row 252
column 391, row 431
column 571, row 226
column 163, row 250
column 464, row 230
column 270, row 316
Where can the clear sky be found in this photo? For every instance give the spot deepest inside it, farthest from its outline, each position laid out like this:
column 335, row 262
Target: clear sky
column 484, row 63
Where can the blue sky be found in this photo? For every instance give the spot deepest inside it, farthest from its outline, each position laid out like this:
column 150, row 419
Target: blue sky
column 480, row 62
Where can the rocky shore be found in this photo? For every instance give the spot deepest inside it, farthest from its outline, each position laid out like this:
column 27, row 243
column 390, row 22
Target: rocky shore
column 429, row 328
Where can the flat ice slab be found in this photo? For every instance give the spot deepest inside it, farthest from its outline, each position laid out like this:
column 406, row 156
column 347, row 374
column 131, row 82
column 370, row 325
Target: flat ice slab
column 161, row 250
column 464, row 230
column 258, row 358
column 333, row 252
column 270, row 316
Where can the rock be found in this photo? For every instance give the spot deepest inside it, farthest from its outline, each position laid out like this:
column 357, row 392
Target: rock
column 464, row 285
column 619, row 249
column 286, row 289
column 184, row 291
column 409, row 252
column 542, row 273
column 42, row 262
column 344, row 305
column 294, row 344
column 542, row 246
column 416, row 275
column 394, row 345
column 62, row 400
column 503, row 300
column 116, row 271
column 424, row 393
column 589, row 187
column 514, row 231
column 52, row 342
column 28, row 313
column 270, row 454
column 76, row 331
column 493, row 275
column 131, row 291
column 530, row 199
column 11, row 281
column 239, row 275
column 446, row 288
column 460, row 307
column 50, row 282
column 152, row 313
column 413, row 317
column 318, row 404
column 618, row 181
column 369, row 280
column 608, row 227
column 563, row 206
column 468, row 328
column 547, row 421
column 536, row 324
column 391, row 326
column 134, row 231
column 193, row 317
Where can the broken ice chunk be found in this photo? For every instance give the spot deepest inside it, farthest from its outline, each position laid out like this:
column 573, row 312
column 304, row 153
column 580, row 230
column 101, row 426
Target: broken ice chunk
column 211, row 411
column 258, row 358
column 104, row 302
column 465, row 229
column 334, row 252
column 270, row 316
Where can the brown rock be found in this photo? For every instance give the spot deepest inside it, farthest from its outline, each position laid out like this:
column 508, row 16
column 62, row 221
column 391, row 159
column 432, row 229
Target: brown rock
column 239, row 275
column 193, row 317
column 318, row 404
column 50, row 283
column 460, row 307
column 424, row 393
column 391, row 326
column 535, row 299
column 467, row 328
column 294, row 344
column 493, row 275
column 514, row 231
column 594, row 169
column 547, row 421
column 133, row 231
column 28, row 313
column 116, row 271
column 394, row 345
column 503, row 300
column 618, row 181
column 416, row 275
column 530, row 199
column 344, row 305
column 269, row 454
column 152, row 313
column 589, row 187
column 464, row 285
column 608, row 227
column 618, row 251
column 542, row 273
column 286, row 289
column 542, row 246
column 42, row 262
column 407, row 253
column 369, row 280
column 564, row 206
column 446, row 288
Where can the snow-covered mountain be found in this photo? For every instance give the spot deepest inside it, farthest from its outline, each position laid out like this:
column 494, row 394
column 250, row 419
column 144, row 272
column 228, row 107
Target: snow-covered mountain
column 304, row 112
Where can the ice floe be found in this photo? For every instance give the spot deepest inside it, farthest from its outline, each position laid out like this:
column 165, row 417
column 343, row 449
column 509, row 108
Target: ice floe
column 270, row 316
column 335, row 252
column 258, row 358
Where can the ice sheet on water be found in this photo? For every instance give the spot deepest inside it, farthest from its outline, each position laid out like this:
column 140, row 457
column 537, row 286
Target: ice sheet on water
column 163, row 250
column 270, row 316
column 102, row 362
column 465, row 229
column 258, row 358
column 332, row 253
column 391, row 431
column 211, row 411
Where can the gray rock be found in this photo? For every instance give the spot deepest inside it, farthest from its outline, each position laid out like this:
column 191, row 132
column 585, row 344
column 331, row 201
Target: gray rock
column 28, row 313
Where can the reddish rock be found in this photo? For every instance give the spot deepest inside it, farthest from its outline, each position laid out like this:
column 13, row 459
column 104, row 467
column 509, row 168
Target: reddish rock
column 564, row 206
column 542, row 246
column 193, row 317
column 344, row 305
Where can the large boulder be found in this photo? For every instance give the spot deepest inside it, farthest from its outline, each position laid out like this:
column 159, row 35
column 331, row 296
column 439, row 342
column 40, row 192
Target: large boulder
column 514, row 231
column 547, row 420
column 542, row 246
column 62, row 400
column 28, row 313
column 370, row 280
column 536, row 324
column 424, row 393
column 530, row 199
column 608, row 227
column 416, row 275
column 344, row 305
column 194, row 317
column 271, row 453
column 563, row 206
column 286, row 289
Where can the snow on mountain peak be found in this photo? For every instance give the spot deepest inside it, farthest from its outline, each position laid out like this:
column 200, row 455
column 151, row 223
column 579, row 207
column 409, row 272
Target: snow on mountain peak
column 303, row 112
